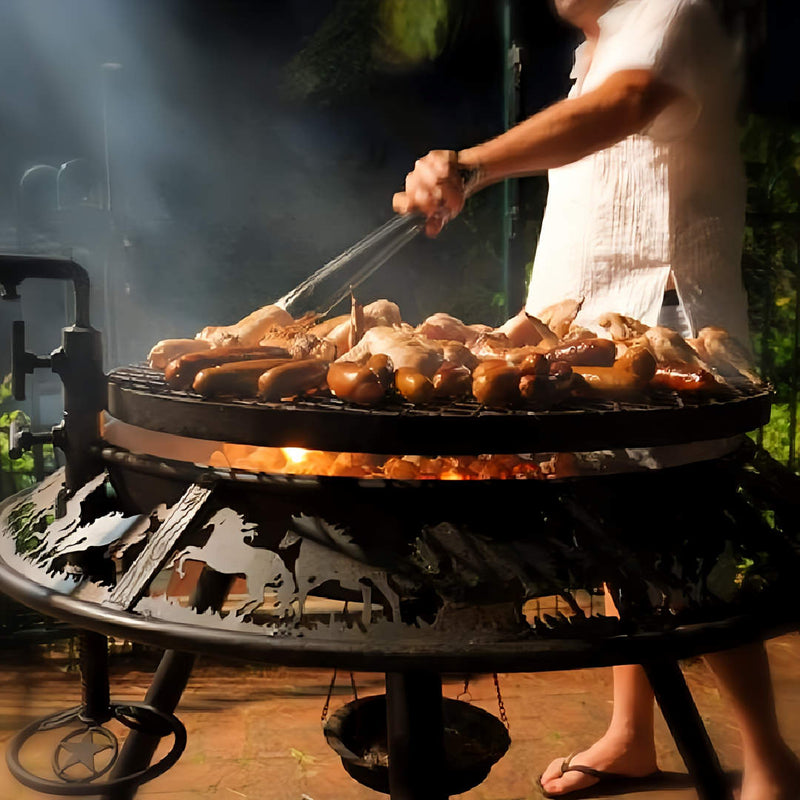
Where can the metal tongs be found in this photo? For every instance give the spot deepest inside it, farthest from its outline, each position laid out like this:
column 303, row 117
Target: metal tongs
column 321, row 292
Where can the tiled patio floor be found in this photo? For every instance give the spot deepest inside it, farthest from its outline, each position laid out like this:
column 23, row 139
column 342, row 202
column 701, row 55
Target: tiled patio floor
column 254, row 731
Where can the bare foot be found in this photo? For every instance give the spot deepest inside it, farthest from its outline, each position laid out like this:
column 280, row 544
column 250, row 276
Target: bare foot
column 775, row 778
column 635, row 758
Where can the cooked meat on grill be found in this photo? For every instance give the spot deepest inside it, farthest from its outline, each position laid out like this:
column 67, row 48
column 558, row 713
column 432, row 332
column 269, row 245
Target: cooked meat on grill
column 585, row 352
column 638, row 359
column 237, row 379
column 578, row 332
column 496, row 383
column 451, row 381
column 381, row 313
column 524, row 329
column 459, row 355
column 292, row 378
column 369, row 354
column 679, row 377
column 404, row 347
column 670, row 347
column 609, row 381
column 364, row 385
column 248, row 331
column 181, row 372
column 724, row 353
column 621, row 328
column 168, row 349
column 444, row 327
column 357, row 322
column 413, row 385
column 560, row 316
column 492, row 345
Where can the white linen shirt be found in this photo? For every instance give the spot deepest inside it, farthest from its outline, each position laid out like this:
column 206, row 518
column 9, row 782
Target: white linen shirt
column 667, row 201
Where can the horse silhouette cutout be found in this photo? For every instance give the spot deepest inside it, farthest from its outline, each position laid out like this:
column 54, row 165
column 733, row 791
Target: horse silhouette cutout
column 228, row 552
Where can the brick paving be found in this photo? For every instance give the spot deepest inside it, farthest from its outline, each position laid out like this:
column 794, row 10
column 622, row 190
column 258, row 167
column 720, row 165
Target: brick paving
column 254, row 731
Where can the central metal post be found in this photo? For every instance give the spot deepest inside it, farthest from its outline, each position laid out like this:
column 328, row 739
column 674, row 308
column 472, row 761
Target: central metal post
column 415, row 732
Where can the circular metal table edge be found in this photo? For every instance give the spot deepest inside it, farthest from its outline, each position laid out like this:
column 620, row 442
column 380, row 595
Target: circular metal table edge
column 527, row 654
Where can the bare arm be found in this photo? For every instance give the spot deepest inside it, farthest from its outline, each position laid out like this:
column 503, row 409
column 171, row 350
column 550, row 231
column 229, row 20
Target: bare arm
column 565, row 132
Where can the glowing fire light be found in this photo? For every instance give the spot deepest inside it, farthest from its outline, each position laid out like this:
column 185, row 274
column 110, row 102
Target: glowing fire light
column 294, row 455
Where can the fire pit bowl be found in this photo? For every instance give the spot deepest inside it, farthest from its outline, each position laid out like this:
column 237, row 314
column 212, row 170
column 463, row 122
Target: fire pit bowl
column 474, row 741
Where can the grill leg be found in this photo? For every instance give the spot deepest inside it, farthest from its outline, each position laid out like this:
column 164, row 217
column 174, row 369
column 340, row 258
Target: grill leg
column 164, row 694
column 687, row 730
column 415, row 735
column 167, row 687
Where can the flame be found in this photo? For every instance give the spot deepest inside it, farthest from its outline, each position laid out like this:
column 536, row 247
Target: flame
column 295, row 455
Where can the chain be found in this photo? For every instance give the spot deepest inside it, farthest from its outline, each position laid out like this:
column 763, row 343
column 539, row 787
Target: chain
column 353, row 686
column 327, row 705
column 500, row 704
column 328, row 698
column 465, row 695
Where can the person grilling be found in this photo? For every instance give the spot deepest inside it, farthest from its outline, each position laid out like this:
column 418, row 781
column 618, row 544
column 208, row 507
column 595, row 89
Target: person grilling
column 644, row 217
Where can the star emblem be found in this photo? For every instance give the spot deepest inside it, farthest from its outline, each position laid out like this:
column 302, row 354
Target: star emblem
column 83, row 747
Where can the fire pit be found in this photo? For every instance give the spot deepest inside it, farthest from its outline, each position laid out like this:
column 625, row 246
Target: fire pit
column 411, row 577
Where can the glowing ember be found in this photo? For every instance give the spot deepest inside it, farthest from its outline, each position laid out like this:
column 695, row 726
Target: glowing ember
column 298, row 461
column 294, row 455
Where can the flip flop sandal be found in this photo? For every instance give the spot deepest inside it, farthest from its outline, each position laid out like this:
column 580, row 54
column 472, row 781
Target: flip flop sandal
column 607, row 782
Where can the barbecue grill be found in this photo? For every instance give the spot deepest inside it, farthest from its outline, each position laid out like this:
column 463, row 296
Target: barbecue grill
column 412, row 578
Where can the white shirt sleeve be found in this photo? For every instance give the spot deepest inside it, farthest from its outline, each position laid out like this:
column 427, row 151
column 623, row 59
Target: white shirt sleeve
column 668, row 37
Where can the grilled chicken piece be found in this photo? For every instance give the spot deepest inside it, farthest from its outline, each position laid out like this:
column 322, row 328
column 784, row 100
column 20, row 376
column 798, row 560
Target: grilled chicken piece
column 357, row 326
column 249, row 331
column 404, row 347
column 168, row 349
column 669, row 347
column 459, row 355
column 381, row 313
column 724, row 353
column 620, row 327
column 322, row 329
column 560, row 316
column 491, row 345
column 525, row 329
column 444, row 327
column 577, row 332
column 306, row 345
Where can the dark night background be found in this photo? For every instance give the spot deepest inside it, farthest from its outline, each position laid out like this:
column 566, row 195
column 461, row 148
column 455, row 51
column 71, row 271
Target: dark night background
column 252, row 140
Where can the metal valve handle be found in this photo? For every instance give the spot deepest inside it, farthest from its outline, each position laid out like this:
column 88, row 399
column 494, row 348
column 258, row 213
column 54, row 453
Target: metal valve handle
column 22, row 362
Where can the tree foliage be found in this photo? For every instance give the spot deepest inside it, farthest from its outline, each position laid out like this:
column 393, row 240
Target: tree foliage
column 771, row 149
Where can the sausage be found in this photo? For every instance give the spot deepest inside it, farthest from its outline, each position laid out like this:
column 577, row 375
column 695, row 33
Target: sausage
column 487, row 365
column 168, row 349
column 545, row 389
column 683, row 378
column 497, row 386
column 180, row 373
column 535, row 364
column 585, row 353
column 355, row 383
column 609, row 380
column 239, row 378
column 535, row 388
column 381, row 365
column 452, row 380
column 561, row 372
column 639, row 360
column 413, row 386
column 292, row 378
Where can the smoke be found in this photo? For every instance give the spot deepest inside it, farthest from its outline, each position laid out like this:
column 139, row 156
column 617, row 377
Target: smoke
column 198, row 187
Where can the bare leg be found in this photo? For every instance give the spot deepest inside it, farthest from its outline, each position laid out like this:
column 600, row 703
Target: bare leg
column 628, row 746
column 771, row 770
